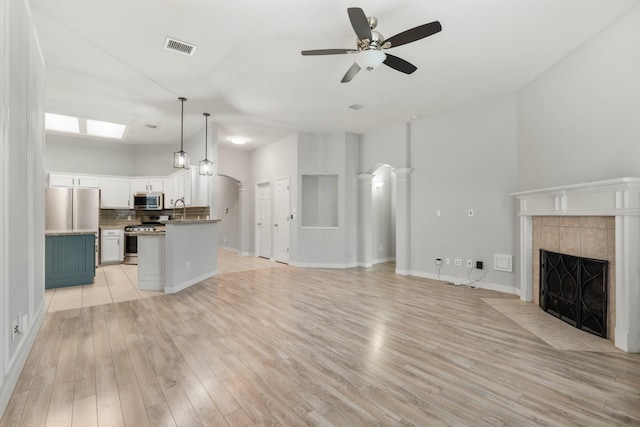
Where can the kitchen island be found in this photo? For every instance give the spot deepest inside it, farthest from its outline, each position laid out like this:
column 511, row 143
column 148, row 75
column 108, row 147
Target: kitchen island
column 70, row 258
column 185, row 254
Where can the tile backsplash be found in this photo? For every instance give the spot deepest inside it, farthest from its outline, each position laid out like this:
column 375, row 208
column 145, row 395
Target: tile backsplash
column 123, row 217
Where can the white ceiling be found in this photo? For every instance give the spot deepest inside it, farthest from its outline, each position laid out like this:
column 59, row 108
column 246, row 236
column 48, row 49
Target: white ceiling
column 105, row 60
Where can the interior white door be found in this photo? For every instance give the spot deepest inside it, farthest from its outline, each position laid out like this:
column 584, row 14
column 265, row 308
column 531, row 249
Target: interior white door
column 263, row 226
column 281, row 221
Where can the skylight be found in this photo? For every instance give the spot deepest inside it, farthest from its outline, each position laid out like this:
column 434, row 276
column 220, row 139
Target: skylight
column 105, row 129
column 81, row 126
column 60, row 123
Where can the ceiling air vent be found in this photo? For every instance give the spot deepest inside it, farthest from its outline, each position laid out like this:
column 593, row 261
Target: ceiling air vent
column 178, row 46
column 356, row 107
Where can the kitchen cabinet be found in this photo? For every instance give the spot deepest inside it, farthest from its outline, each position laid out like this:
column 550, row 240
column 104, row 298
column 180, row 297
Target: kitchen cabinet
column 115, row 193
column 176, row 186
column 75, row 181
column 144, row 185
column 70, row 260
column 111, row 246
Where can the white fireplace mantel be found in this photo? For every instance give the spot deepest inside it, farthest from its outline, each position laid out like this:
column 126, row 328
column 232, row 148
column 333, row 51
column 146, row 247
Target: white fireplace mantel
column 616, row 197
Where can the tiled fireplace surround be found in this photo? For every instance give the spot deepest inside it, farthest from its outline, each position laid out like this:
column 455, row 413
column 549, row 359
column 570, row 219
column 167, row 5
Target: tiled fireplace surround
column 598, row 220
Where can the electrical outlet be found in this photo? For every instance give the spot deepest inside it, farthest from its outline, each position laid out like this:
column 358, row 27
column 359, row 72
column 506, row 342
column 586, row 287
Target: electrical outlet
column 469, row 263
column 447, row 261
column 479, row 265
column 437, row 212
column 380, row 248
column 438, row 261
column 458, row 261
column 15, row 328
column 188, row 265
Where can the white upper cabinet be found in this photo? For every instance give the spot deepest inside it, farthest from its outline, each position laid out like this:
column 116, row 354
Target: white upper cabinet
column 115, row 193
column 76, row 181
column 177, row 186
column 147, row 185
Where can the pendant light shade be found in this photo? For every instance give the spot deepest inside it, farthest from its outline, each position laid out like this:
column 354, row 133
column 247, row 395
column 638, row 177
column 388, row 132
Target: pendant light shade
column 180, row 158
column 206, row 166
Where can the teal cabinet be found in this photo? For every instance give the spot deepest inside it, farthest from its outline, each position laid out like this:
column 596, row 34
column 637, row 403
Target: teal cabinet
column 70, row 260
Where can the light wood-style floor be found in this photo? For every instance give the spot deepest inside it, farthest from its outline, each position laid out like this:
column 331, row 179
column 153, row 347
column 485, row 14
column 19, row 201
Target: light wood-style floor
column 291, row 347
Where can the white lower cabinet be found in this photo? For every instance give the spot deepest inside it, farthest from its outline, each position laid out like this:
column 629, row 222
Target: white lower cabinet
column 151, row 264
column 111, row 246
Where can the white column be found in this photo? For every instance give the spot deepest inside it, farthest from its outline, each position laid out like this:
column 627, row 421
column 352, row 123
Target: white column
column 366, row 222
column 403, row 221
column 526, row 257
column 627, row 333
column 246, row 222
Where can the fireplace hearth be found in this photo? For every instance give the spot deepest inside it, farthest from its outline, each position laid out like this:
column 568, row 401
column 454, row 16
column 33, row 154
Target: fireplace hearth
column 574, row 289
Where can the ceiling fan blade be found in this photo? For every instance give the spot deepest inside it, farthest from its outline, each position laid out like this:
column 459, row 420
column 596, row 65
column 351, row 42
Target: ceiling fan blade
column 328, row 51
column 359, row 23
column 415, row 33
column 399, row 64
column 351, row 73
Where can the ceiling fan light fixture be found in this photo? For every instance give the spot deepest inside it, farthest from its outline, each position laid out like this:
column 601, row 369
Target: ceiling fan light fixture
column 370, row 59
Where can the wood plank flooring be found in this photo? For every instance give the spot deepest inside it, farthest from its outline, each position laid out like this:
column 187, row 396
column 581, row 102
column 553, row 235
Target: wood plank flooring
column 292, row 347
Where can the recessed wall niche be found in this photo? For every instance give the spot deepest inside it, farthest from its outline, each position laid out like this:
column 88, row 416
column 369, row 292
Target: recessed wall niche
column 320, row 201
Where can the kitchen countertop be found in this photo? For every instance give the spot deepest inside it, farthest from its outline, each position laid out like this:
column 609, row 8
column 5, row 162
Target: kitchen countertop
column 146, row 233
column 191, row 221
column 69, row 232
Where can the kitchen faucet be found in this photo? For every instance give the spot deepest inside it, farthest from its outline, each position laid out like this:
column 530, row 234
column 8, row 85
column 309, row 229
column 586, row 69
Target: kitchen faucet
column 184, row 208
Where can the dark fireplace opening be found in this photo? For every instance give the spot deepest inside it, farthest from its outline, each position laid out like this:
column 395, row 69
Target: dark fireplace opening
column 574, row 289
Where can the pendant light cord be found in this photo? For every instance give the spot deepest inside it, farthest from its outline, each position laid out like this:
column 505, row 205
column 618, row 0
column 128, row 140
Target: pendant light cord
column 206, row 135
column 182, row 124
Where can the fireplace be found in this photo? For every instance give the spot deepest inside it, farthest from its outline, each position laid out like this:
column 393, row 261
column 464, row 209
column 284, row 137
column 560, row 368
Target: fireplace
column 574, row 289
column 597, row 220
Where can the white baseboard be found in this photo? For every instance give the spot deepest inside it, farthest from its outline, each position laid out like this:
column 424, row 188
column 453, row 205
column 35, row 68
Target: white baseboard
column 323, row 265
column 464, row 280
column 381, row 260
column 230, row 249
column 18, row 361
column 185, row 285
column 246, row 254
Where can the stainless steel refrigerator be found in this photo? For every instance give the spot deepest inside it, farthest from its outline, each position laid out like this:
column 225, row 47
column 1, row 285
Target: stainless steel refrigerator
column 72, row 209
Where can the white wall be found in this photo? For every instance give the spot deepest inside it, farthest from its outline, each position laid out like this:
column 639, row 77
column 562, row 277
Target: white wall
column 578, row 122
column 385, row 146
column 465, row 159
column 22, row 84
column 83, row 155
column 228, row 203
column 235, row 164
column 330, row 154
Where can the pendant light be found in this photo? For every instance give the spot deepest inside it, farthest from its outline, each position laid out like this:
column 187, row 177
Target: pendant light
column 180, row 158
column 206, row 166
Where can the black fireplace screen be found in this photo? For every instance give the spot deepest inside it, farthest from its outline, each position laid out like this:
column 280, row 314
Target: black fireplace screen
column 574, row 289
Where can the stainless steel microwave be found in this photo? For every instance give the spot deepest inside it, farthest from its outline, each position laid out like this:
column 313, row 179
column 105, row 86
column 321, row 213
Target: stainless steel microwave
column 148, row 201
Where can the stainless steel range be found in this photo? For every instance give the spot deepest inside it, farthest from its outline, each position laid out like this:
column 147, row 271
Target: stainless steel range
column 149, row 224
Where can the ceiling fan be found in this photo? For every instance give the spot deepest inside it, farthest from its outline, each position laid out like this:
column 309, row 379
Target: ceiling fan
column 370, row 44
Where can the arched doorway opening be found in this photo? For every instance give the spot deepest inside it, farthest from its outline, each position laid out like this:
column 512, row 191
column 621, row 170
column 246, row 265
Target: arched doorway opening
column 229, row 209
column 383, row 216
